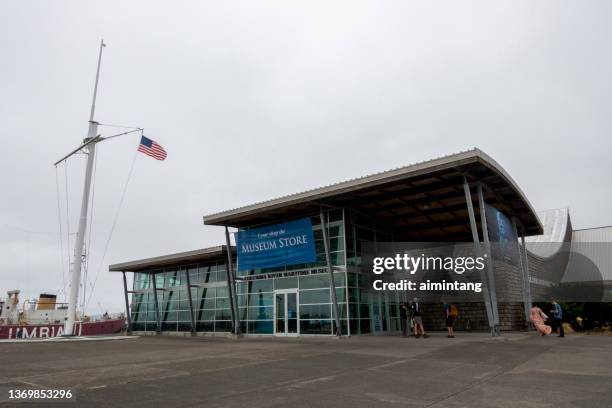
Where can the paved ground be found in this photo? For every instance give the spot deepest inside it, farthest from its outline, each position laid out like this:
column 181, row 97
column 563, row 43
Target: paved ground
column 471, row 370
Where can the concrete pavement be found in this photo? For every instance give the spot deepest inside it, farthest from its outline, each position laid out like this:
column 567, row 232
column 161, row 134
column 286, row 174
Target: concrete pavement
column 472, row 370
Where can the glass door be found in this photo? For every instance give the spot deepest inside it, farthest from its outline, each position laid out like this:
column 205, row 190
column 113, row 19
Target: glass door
column 286, row 313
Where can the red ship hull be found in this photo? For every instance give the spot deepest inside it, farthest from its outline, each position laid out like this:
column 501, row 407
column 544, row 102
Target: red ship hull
column 53, row 330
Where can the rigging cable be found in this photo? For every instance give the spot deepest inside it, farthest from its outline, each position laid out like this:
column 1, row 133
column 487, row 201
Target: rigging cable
column 67, row 214
column 119, row 126
column 59, row 219
column 127, row 182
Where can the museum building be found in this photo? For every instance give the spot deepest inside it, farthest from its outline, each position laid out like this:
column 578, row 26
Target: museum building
column 251, row 288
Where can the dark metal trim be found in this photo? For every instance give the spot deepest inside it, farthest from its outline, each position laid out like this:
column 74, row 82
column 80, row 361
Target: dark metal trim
column 127, row 304
column 490, row 266
column 153, row 277
column 231, row 286
column 332, row 283
column 477, row 251
column 193, row 325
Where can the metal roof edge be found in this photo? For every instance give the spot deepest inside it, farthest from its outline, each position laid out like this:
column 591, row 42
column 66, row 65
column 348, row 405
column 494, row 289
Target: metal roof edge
column 343, row 186
column 178, row 256
column 486, row 159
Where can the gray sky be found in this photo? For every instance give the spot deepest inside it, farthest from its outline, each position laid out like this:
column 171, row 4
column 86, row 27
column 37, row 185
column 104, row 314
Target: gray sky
column 253, row 100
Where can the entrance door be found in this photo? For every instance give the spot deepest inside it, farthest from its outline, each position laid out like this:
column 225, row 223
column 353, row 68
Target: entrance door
column 286, row 313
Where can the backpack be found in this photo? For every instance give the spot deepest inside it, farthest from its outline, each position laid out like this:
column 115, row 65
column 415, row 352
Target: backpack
column 454, row 312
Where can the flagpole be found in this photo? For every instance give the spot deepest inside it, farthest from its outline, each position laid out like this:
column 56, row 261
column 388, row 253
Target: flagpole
column 79, row 246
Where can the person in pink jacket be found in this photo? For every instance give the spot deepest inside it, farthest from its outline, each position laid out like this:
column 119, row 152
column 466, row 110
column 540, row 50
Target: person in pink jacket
column 538, row 318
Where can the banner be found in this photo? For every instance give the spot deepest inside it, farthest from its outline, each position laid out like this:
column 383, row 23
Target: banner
column 501, row 234
column 289, row 243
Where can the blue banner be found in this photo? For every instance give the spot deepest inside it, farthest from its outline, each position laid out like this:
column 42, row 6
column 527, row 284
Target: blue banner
column 289, row 243
column 501, row 233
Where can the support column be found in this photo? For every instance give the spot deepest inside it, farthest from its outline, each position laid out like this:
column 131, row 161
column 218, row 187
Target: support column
column 156, row 303
column 332, row 283
column 528, row 286
column 490, row 268
column 231, row 287
column 477, row 253
column 524, row 276
column 188, row 279
column 127, row 305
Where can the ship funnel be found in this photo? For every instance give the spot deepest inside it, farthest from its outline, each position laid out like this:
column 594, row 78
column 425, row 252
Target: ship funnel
column 46, row 302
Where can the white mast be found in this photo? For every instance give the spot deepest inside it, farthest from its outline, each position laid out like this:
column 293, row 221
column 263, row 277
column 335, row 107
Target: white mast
column 79, row 246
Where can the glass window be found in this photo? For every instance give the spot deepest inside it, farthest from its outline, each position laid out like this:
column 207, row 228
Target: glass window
column 169, row 316
column 341, row 295
column 222, row 292
column 205, row 298
column 184, row 326
column 184, row 316
column 343, row 326
column 261, row 313
column 314, row 296
column 315, row 311
column 223, row 326
column 206, row 314
column 223, row 314
column 286, row 283
column 353, row 294
column 159, row 280
column 168, row 326
column 263, row 285
column 365, row 326
column 315, row 326
column 364, row 310
column 260, row 299
column 261, row 327
column 340, row 279
column 314, row 281
column 222, row 303
column 341, row 310
column 203, row 326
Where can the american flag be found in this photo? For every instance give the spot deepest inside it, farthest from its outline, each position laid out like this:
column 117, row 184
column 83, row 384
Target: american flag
column 150, row 148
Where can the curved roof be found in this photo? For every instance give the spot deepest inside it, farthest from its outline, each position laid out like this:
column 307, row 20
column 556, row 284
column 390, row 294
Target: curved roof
column 421, row 201
column 556, row 223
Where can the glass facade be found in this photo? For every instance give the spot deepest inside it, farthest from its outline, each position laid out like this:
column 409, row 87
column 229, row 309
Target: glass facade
column 210, row 300
column 291, row 300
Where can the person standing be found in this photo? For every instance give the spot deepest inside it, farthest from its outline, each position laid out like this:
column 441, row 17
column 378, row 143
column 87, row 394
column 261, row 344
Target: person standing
column 450, row 312
column 557, row 318
column 417, row 319
column 404, row 318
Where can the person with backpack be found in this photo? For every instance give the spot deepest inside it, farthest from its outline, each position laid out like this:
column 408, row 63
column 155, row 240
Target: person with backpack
column 451, row 312
column 417, row 319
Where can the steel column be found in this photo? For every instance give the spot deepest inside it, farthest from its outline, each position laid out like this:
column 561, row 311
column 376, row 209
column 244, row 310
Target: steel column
column 490, row 266
column 231, row 287
column 127, row 304
column 332, row 282
column 524, row 276
column 193, row 325
column 526, row 258
column 156, row 302
column 477, row 250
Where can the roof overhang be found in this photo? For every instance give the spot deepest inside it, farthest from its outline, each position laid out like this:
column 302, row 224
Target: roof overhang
column 217, row 253
column 422, row 201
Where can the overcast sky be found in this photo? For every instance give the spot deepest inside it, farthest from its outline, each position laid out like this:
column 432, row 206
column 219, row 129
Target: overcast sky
column 253, row 100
